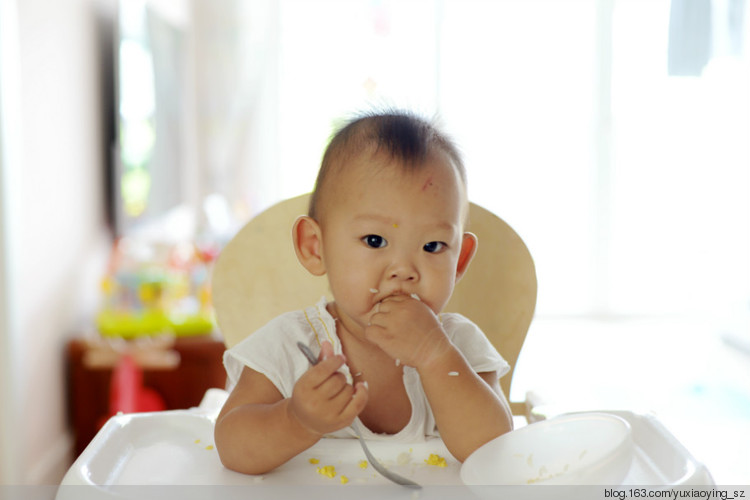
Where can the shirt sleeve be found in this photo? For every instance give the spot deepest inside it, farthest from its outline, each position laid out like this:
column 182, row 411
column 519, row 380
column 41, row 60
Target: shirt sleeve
column 271, row 351
column 474, row 345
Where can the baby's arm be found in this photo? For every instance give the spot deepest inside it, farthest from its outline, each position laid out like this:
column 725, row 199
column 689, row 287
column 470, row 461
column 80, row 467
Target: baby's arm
column 258, row 430
column 469, row 408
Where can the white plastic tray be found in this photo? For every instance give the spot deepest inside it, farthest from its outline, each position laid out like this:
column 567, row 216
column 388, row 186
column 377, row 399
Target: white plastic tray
column 176, row 448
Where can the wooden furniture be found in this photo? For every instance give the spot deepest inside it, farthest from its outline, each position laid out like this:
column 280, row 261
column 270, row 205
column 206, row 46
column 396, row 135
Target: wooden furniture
column 181, row 374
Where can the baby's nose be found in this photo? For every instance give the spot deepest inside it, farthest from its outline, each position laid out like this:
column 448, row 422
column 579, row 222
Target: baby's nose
column 404, row 271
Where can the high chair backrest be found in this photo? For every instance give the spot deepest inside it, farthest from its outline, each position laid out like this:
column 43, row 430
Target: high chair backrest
column 257, row 277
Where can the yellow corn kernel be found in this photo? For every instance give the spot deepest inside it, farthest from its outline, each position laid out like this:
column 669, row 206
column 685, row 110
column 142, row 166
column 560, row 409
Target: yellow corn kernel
column 328, row 471
column 436, row 460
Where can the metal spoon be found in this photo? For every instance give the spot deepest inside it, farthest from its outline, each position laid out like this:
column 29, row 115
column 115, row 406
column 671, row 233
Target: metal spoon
column 374, row 461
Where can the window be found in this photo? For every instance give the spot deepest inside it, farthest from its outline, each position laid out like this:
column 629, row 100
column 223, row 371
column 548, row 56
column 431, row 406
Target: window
column 628, row 179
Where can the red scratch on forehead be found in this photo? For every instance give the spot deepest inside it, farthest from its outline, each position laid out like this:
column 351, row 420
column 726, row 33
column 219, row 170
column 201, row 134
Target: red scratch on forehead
column 427, row 183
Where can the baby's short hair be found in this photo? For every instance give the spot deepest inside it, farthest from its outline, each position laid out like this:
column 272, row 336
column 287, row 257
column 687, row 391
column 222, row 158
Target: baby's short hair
column 404, row 136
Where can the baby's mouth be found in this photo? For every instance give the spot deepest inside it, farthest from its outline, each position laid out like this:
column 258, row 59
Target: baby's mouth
column 395, row 294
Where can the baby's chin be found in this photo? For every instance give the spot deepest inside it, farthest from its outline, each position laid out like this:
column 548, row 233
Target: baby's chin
column 356, row 314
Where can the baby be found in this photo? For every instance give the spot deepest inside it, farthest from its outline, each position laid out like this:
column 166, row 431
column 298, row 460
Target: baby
column 386, row 225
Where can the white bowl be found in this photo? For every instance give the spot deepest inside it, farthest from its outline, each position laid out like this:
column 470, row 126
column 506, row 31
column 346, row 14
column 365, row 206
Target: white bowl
column 579, row 448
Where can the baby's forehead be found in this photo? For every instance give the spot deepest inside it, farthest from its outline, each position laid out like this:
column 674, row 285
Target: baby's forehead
column 350, row 179
column 361, row 167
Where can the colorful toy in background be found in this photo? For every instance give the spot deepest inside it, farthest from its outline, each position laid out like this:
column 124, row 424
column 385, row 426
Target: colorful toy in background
column 153, row 289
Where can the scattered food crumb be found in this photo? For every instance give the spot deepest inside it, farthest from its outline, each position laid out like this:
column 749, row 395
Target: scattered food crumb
column 580, row 457
column 436, row 460
column 344, row 479
column 398, row 362
column 544, row 475
column 327, row 470
column 374, row 290
column 314, row 461
column 197, row 441
column 530, row 460
column 258, row 479
column 415, row 296
column 363, row 464
column 453, row 374
column 210, row 447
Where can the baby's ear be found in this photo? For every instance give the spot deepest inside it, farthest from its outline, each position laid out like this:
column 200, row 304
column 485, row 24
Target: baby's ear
column 308, row 244
column 467, row 253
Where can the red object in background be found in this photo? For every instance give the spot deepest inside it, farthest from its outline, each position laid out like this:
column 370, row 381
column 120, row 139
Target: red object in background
column 89, row 389
column 127, row 392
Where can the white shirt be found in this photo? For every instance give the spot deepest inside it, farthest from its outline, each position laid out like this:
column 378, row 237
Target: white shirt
column 273, row 351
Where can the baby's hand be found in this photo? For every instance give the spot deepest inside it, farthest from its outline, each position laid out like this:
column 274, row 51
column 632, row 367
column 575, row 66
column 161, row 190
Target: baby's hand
column 322, row 401
column 407, row 329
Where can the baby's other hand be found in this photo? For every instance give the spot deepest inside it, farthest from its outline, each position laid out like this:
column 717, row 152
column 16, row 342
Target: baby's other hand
column 406, row 329
column 322, row 401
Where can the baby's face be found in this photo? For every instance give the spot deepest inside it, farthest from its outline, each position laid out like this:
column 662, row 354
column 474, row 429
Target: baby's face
column 387, row 232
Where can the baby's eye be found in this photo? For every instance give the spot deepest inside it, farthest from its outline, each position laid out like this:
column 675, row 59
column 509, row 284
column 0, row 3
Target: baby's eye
column 374, row 241
column 434, row 246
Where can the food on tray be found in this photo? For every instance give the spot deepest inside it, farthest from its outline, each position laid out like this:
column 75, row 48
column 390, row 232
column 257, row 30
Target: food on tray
column 344, row 479
column 363, row 464
column 436, row 460
column 314, row 461
column 327, row 470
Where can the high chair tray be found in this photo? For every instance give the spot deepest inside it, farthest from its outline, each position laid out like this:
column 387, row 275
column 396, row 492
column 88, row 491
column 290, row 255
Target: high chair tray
column 177, row 448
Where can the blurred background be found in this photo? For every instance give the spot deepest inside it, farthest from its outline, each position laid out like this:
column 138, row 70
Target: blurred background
column 613, row 135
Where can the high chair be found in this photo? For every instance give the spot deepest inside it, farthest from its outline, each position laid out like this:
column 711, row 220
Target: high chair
column 257, row 277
